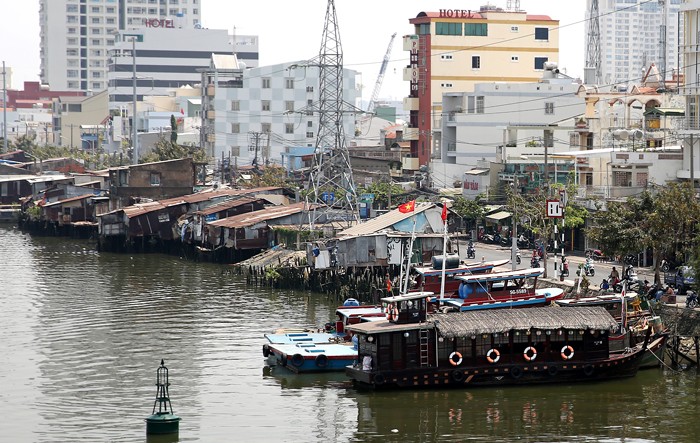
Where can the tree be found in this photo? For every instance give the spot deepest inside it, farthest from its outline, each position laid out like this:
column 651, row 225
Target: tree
column 173, row 129
column 664, row 221
column 269, row 176
column 165, row 150
column 382, row 191
column 470, row 210
column 531, row 207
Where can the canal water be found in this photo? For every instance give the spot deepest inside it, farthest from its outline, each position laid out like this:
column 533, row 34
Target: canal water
column 82, row 334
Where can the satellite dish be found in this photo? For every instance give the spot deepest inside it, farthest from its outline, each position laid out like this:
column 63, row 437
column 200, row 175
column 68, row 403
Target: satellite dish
column 637, row 134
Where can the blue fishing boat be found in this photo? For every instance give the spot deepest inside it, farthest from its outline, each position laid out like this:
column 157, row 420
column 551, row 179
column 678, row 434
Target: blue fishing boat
column 313, row 357
column 510, row 289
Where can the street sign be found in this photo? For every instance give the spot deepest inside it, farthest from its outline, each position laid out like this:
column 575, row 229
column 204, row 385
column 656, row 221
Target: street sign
column 367, row 197
column 555, row 209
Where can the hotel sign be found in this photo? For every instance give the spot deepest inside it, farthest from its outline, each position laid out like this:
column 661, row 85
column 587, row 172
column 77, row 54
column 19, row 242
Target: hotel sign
column 159, row 23
column 455, row 13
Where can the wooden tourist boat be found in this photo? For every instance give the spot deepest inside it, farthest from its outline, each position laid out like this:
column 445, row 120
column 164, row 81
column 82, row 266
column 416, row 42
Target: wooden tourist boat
column 487, row 347
column 633, row 325
column 509, row 289
column 428, row 278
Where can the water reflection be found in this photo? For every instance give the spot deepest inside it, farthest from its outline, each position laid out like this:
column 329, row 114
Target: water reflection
column 83, row 333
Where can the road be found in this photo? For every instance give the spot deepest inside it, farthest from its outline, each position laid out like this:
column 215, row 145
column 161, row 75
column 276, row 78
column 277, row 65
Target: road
column 602, row 268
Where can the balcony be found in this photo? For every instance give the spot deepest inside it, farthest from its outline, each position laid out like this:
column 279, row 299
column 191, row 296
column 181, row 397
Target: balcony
column 452, row 147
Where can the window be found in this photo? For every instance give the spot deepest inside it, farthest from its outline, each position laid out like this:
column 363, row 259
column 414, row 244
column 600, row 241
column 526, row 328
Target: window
column 235, row 128
column 71, row 8
column 96, row 42
column 514, row 58
column 446, row 57
column 480, row 104
column 540, row 61
column 309, row 135
column 289, row 106
column 476, row 29
column 155, row 178
column 71, row 41
column 96, row 74
column 424, row 29
column 235, row 151
column 95, row 20
column 445, row 85
column 95, row 9
column 514, row 29
column 289, row 83
column 289, row 128
column 309, row 89
column 266, row 83
column 72, row 73
column 265, row 105
column 71, row 52
column 266, row 127
column 309, row 124
column 97, row 85
column 96, row 31
column 71, row 19
column 549, row 108
column 476, row 62
column 235, row 105
column 72, row 85
column 443, row 28
column 109, row 10
column 542, row 34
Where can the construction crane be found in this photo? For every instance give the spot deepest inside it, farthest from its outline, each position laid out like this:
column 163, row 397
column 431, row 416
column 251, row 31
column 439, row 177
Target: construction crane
column 380, row 77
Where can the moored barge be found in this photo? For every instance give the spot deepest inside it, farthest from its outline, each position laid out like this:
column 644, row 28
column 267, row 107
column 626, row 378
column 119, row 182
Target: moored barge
column 487, row 347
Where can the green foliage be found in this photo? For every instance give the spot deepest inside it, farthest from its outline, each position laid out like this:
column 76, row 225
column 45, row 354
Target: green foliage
column 381, row 193
column 173, row 129
column 468, row 209
column 664, row 221
column 165, row 150
column 269, row 176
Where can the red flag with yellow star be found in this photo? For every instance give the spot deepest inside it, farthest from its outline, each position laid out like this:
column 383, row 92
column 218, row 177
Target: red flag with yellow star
column 407, row 207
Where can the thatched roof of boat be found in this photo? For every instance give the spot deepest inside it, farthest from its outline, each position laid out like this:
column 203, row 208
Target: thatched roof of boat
column 469, row 323
column 683, row 322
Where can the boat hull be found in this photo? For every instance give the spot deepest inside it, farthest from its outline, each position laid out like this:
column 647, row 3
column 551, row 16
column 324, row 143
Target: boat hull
column 541, row 297
column 312, row 357
column 617, row 366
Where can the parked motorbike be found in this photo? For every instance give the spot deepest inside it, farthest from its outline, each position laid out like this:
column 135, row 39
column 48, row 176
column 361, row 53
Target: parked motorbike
column 506, row 241
column 691, row 300
column 595, row 254
column 518, row 259
column 487, row 238
column 535, row 262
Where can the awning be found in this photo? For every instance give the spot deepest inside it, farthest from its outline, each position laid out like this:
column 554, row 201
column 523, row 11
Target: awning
column 498, row 216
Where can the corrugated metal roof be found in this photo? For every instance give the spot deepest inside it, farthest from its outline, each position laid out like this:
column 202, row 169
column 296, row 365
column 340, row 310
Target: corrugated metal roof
column 144, row 208
column 226, row 205
column 255, row 217
column 68, row 200
column 384, row 221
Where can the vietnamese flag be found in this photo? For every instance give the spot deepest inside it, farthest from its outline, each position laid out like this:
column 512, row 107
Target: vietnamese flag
column 407, row 207
column 444, row 213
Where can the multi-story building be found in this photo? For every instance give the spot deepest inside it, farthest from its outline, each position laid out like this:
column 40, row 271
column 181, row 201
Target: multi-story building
column 505, row 121
column 452, row 50
column 167, row 58
column 691, row 90
column 630, row 35
column 257, row 113
column 76, row 35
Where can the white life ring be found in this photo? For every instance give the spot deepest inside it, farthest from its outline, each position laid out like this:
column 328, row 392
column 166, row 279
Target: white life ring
column 530, row 353
column 567, row 352
column 456, row 361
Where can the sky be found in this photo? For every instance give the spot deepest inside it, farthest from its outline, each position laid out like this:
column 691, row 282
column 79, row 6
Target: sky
column 292, row 30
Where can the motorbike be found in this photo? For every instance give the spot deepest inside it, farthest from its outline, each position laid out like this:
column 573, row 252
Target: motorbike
column 595, row 254
column 487, row 238
column 524, row 243
column 518, row 259
column 588, row 270
column 506, row 241
column 471, row 251
column 691, row 300
column 535, row 262
column 565, row 269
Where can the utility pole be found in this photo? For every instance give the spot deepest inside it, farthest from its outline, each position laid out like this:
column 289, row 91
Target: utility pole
column 135, row 141
column 254, row 141
column 4, row 108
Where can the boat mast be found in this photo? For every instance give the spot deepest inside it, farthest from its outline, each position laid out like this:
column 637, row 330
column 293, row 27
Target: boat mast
column 409, row 254
column 444, row 250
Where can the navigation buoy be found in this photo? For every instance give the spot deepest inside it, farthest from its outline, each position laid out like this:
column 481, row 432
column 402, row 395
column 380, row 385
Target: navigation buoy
column 162, row 421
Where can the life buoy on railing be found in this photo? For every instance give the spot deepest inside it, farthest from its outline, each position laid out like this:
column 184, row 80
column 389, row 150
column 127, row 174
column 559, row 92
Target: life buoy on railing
column 530, row 353
column 455, row 359
column 567, row 352
column 493, row 356
column 395, row 314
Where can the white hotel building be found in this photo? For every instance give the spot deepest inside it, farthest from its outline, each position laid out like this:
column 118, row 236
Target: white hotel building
column 272, row 100
column 76, row 35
